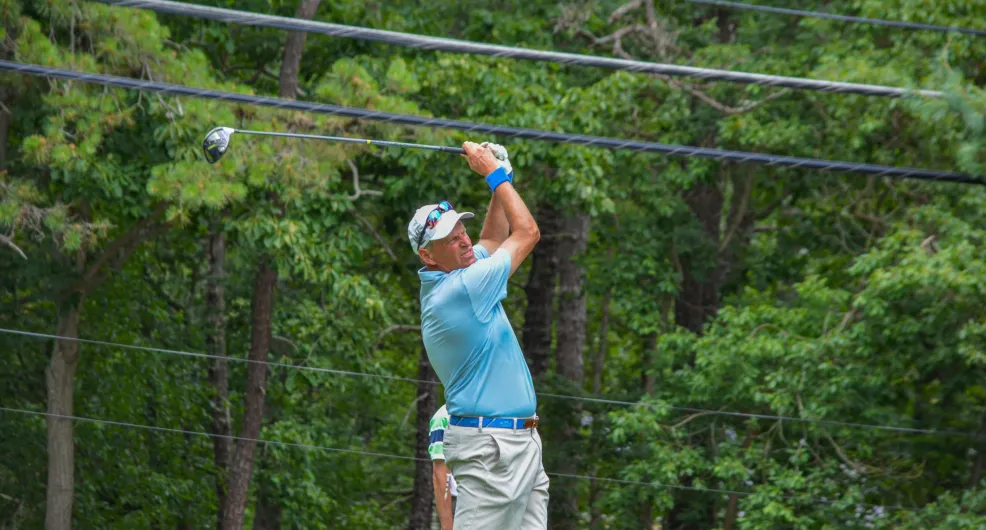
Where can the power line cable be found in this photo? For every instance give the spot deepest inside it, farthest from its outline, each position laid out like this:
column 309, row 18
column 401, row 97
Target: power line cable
column 460, row 46
column 833, row 423
column 412, row 458
column 207, row 434
column 516, row 132
column 844, row 18
column 749, row 415
column 215, row 357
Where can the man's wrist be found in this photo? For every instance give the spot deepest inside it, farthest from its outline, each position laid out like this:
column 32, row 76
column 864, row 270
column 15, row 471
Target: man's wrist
column 496, row 177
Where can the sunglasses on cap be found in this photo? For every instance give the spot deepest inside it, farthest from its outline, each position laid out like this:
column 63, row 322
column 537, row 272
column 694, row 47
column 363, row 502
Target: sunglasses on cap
column 432, row 219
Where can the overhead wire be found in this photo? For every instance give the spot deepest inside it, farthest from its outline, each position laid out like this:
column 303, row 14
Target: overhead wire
column 843, row 18
column 357, row 452
column 452, row 45
column 511, row 52
column 514, row 132
column 590, row 399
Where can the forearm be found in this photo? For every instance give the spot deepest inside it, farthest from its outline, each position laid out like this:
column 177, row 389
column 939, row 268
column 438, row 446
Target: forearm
column 524, row 233
column 496, row 228
column 443, row 499
column 515, row 212
column 445, row 516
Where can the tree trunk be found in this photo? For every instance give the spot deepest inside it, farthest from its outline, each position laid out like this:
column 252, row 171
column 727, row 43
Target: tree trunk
column 540, row 290
column 293, row 48
column 732, row 507
column 698, row 300
column 572, row 299
column 976, row 475
column 569, row 360
column 645, row 511
column 599, row 361
column 423, row 496
column 61, row 446
column 215, row 340
column 977, row 470
column 268, row 515
column 595, row 511
column 60, row 376
column 647, row 379
column 241, row 468
column 253, row 416
column 4, row 125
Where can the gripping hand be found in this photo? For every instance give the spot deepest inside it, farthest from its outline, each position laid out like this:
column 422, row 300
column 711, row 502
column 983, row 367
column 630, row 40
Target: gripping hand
column 502, row 158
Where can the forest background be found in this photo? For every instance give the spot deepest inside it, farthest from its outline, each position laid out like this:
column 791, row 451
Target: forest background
column 676, row 290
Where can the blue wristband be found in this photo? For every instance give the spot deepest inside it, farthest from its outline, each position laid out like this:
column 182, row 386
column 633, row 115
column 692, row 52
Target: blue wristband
column 497, row 177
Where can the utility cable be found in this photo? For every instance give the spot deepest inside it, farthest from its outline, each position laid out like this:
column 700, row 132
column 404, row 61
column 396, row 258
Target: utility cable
column 516, row 132
column 844, row 18
column 833, row 423
column 401, row 457
column 460, row 46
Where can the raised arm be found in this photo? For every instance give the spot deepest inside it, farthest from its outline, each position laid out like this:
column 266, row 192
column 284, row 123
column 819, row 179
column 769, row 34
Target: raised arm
column 524, row 230
column 496, row 229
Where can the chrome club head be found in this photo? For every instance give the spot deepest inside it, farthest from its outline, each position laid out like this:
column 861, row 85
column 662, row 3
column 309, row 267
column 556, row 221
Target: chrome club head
column 216, row 143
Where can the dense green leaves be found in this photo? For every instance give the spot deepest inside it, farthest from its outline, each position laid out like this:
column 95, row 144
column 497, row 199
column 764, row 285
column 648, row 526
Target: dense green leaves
column 826, row 297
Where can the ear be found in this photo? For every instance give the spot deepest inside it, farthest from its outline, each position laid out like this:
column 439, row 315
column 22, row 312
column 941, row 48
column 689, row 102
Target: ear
column 426, row 257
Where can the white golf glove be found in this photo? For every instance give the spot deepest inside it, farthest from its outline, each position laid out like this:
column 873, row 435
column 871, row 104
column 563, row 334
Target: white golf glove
column 503, row 160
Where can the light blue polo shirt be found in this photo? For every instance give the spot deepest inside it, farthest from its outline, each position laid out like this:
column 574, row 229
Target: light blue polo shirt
column 470, row 342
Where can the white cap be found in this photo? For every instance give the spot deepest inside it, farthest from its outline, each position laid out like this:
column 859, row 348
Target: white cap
column 441, row 229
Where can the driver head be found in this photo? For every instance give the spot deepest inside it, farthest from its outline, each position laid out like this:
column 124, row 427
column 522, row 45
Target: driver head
column 216, row 143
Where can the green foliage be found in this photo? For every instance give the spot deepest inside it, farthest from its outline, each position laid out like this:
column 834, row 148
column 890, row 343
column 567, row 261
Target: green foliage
column 842, row 298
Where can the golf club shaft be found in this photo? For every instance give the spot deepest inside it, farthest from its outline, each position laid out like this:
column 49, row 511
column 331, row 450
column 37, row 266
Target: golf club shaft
column 444, row 149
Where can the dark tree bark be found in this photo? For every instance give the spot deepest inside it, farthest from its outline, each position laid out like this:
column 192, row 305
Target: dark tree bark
column 215, row 340
column 598, row 362
column 422, row 499
column 976, row 475
column 4, row 124
column 241, row 469
column 60, row 375
column 540, row 290
column 646, row 507
column 572, row 299
column 60, row 378
column 293, row 48
column 649, row 352
column 698, row 300
column 732, row 506
column 268, row 516
column 569, row 360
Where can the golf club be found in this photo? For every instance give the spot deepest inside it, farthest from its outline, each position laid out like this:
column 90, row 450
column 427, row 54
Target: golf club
column 216, row 142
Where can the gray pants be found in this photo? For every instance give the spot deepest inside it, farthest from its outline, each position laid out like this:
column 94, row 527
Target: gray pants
column 499, row 477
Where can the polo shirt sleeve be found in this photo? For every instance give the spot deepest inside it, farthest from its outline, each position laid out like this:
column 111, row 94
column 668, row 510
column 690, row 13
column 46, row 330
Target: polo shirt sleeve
column 486, row 281
column 436, row 437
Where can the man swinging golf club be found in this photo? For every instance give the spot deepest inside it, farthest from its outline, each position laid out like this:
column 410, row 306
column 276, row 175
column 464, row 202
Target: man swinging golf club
column 491, row 445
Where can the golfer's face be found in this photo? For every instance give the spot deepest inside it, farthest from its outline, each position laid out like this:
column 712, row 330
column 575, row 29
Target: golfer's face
column 455, row 251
